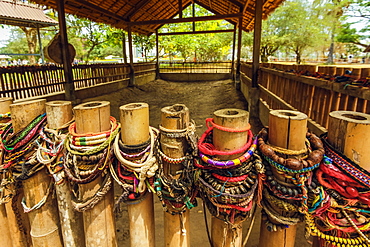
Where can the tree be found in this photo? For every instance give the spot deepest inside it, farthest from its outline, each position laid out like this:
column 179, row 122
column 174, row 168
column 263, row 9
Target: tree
column 145, row 43
column 88, row 33
column 297, row 27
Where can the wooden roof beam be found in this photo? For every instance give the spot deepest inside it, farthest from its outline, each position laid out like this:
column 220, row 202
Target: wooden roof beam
column 235, row 2
column 197, row 32
column 137, row 7
column 171, row 5
column 182, row 20
column 246, row 6
column 249, row 25
column 100, row 10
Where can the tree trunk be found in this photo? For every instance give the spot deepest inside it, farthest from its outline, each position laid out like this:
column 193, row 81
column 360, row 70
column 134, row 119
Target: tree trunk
column 298, row 59
column 331, row 49
column 31, row 36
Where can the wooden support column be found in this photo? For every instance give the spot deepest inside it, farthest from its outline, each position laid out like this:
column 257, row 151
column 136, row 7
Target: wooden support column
column 175, row 117
column 157, row 54
column 132, row 70
column 124, row 47
column 45, row 220
column 6, row 237
column 69, row 87
column 59, row 113
column 134, row 120
column 254, row 92
column 180, row 8
column 222, row 233
column 345, row 129
column 233, row 69
column 99, row 224
column 287, row 129
column 19, row 238
column 238, row 53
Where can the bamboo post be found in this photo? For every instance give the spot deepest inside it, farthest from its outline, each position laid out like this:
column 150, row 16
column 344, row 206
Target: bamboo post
column 287, row 129
column 175, row 117
column 60, row 113
column 134, row 120
column 99, row 222
column 6, row 239
column 345, row 129
column 45, row 220
column 222, row 233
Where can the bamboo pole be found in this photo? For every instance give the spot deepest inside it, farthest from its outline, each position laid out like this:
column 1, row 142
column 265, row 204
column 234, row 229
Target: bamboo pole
column 345, row 129
column 59, row 113
column 287, row 129
column 134, row 120
column 175, row 117
column 99, row 221
column 45, row 220
column 6, row 239
column 222, row 233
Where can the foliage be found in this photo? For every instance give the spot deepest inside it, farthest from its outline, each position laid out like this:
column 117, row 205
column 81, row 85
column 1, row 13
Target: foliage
column 199, row 47
column 144, row 43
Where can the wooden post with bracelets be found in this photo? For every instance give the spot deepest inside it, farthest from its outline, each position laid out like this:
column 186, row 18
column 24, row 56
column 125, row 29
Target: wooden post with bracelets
column 175, row 121
column 224, row 234
column 96, row 199
column 44, row 220
column 6, row 239
column 59, row 115
column 135, row 131
column 346, row 146
column 20, row 237
column 286, row 136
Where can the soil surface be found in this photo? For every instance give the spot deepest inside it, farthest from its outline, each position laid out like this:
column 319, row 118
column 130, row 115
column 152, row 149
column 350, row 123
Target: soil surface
column 202, row 99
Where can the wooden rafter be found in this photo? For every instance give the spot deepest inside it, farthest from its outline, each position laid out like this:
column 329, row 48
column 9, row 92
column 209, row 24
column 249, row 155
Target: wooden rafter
column 173, row 7
column 150, row 14
column 197, row 32
column 237, row 3
column 134, row 10
column 191, row 19
column 88, row 5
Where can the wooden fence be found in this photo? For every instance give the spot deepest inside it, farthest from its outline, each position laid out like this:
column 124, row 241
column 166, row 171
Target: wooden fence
column 195, row 67
column 20, row 82
column 282, row 88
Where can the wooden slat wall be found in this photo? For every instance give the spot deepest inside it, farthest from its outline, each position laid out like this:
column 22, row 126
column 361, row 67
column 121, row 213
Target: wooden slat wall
column 20, row 82
column 312, row 96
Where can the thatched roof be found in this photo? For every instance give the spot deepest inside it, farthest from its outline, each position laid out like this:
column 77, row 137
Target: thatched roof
column 149, row 14
column 17, row 13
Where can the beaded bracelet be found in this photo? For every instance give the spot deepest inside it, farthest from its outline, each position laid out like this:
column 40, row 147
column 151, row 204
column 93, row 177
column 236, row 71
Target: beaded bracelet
column 175, row 133
column 284, row 169
column 230, row 163
column 291, row 164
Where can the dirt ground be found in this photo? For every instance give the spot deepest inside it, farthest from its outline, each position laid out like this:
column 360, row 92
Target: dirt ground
column 202, row 99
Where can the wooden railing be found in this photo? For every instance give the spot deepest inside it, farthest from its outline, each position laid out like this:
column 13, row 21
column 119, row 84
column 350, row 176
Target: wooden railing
column 313, row 96
column 195, row 67
column 20, row 82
